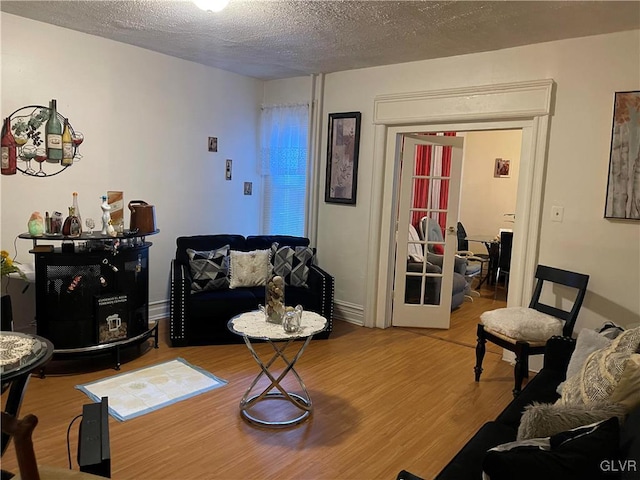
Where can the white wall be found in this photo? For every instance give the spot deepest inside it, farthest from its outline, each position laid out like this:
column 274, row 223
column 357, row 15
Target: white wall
column 587, row 72
column 288, row 90
column 146, row 118
column 484, row 199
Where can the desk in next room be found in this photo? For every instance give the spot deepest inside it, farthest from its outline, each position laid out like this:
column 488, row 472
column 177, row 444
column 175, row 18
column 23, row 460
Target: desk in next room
column 492, row 245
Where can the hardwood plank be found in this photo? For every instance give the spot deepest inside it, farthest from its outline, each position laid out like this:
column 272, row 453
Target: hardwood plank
column 397, row 398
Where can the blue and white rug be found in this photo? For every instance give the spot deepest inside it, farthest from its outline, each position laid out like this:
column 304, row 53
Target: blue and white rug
column 147, row 389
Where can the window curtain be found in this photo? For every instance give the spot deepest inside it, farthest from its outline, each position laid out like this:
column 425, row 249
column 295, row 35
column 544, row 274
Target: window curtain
column 283, row 168
column 436, row 197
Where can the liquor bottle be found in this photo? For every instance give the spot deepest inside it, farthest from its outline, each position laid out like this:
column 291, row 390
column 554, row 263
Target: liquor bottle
column 76, row 208
column 71, row 227
column 67, row 146
column 8, row 149
column 53, row 130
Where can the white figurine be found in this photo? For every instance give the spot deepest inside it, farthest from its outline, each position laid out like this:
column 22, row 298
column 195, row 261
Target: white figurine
column 106, row 215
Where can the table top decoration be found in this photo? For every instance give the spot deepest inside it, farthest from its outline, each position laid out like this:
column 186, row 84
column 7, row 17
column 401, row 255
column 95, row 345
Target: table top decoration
column 254, row 325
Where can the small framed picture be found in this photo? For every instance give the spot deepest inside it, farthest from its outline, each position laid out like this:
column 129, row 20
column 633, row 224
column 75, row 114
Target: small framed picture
column 227, row 169
column 501, row 168
column 248, row 188
column 213, row 144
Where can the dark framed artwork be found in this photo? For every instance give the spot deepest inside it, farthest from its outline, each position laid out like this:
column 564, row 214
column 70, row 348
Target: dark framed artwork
column 343, row 147
column 623, row 186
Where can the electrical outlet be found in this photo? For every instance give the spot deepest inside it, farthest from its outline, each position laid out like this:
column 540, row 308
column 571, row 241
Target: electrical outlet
column 557, row 214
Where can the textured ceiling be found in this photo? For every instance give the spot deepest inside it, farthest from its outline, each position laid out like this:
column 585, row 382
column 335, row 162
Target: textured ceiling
column 271, row 39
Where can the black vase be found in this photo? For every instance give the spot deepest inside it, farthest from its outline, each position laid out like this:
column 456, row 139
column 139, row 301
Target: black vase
column 6, row 314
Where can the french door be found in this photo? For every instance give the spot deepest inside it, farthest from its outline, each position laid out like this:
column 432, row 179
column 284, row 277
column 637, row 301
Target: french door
column 422, row 293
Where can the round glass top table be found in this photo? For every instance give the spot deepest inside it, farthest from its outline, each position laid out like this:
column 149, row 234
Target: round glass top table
column 252, row 326
column 20, row 354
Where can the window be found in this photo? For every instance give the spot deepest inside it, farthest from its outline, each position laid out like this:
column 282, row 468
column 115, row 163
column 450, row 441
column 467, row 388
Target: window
column 283, row 167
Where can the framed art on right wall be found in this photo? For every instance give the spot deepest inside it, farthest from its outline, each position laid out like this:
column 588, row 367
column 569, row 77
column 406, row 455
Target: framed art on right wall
column 623, row 186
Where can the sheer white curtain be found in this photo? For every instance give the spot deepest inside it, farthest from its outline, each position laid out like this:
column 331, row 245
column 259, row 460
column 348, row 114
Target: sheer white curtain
column 283, row 167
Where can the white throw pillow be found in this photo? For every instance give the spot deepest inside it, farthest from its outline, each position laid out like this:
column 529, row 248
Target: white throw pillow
column 249, row 269
column 522, row 323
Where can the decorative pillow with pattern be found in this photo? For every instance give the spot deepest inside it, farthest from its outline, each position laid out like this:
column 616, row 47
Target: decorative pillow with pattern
column 249, row 269
column 209, row 269
column 292, row 263
column 602, row 371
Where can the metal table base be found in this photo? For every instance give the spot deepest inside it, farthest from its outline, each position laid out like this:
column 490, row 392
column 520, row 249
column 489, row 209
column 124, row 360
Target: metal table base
column 275, row 391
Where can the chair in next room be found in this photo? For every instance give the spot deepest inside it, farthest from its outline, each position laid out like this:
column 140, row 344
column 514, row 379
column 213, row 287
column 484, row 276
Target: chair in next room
column 525, row 331
column 504, row 261
column 463, row 249
column 430, row 231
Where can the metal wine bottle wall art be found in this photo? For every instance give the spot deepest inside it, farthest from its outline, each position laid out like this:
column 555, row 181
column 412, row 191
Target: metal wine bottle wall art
column 38, row 141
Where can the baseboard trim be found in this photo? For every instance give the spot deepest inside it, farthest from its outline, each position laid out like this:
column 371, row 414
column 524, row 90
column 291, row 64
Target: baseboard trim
column 158, row 310
column 348, row 312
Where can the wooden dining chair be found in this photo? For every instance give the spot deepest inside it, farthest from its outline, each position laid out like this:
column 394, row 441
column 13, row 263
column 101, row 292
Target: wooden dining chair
column 505, row 326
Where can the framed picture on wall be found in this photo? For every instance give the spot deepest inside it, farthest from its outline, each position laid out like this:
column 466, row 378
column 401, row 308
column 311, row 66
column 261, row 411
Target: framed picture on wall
column 501, row 168
column 623, row 186
column 342, row 158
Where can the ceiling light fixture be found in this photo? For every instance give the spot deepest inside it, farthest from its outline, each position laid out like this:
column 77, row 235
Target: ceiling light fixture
column 211, row 5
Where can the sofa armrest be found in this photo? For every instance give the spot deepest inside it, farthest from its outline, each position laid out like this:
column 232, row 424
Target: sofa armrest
column 558, row 352
column 324, row 284
column 180, row 288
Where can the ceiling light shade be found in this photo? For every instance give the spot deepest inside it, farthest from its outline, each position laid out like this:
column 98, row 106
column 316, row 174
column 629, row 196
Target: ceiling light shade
column 211, row 5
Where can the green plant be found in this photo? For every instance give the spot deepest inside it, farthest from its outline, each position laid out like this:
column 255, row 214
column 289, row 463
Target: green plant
column 10, row 266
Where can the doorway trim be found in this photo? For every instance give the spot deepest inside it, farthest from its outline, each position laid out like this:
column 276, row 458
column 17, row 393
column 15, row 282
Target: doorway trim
column 520, row 105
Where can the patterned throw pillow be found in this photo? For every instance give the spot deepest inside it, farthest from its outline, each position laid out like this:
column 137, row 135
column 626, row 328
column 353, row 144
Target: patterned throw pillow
column 209, row 269
column 602, row 372
column 292, row 263
column 249, row 269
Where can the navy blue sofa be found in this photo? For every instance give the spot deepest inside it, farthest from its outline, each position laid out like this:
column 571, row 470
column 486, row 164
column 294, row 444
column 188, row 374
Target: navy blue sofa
column 201, row 318
column 467, row 464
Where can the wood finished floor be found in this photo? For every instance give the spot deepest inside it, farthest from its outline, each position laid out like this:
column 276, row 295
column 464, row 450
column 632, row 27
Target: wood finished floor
column 385, row 400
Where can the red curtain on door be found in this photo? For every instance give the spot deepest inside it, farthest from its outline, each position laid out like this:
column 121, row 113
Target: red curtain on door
column 439, row 192
column 421, row 185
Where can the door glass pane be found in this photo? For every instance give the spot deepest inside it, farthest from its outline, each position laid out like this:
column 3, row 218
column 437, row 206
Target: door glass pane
column 422, row 289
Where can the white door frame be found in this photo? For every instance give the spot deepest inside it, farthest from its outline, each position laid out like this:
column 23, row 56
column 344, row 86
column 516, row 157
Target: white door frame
column 522, row 105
